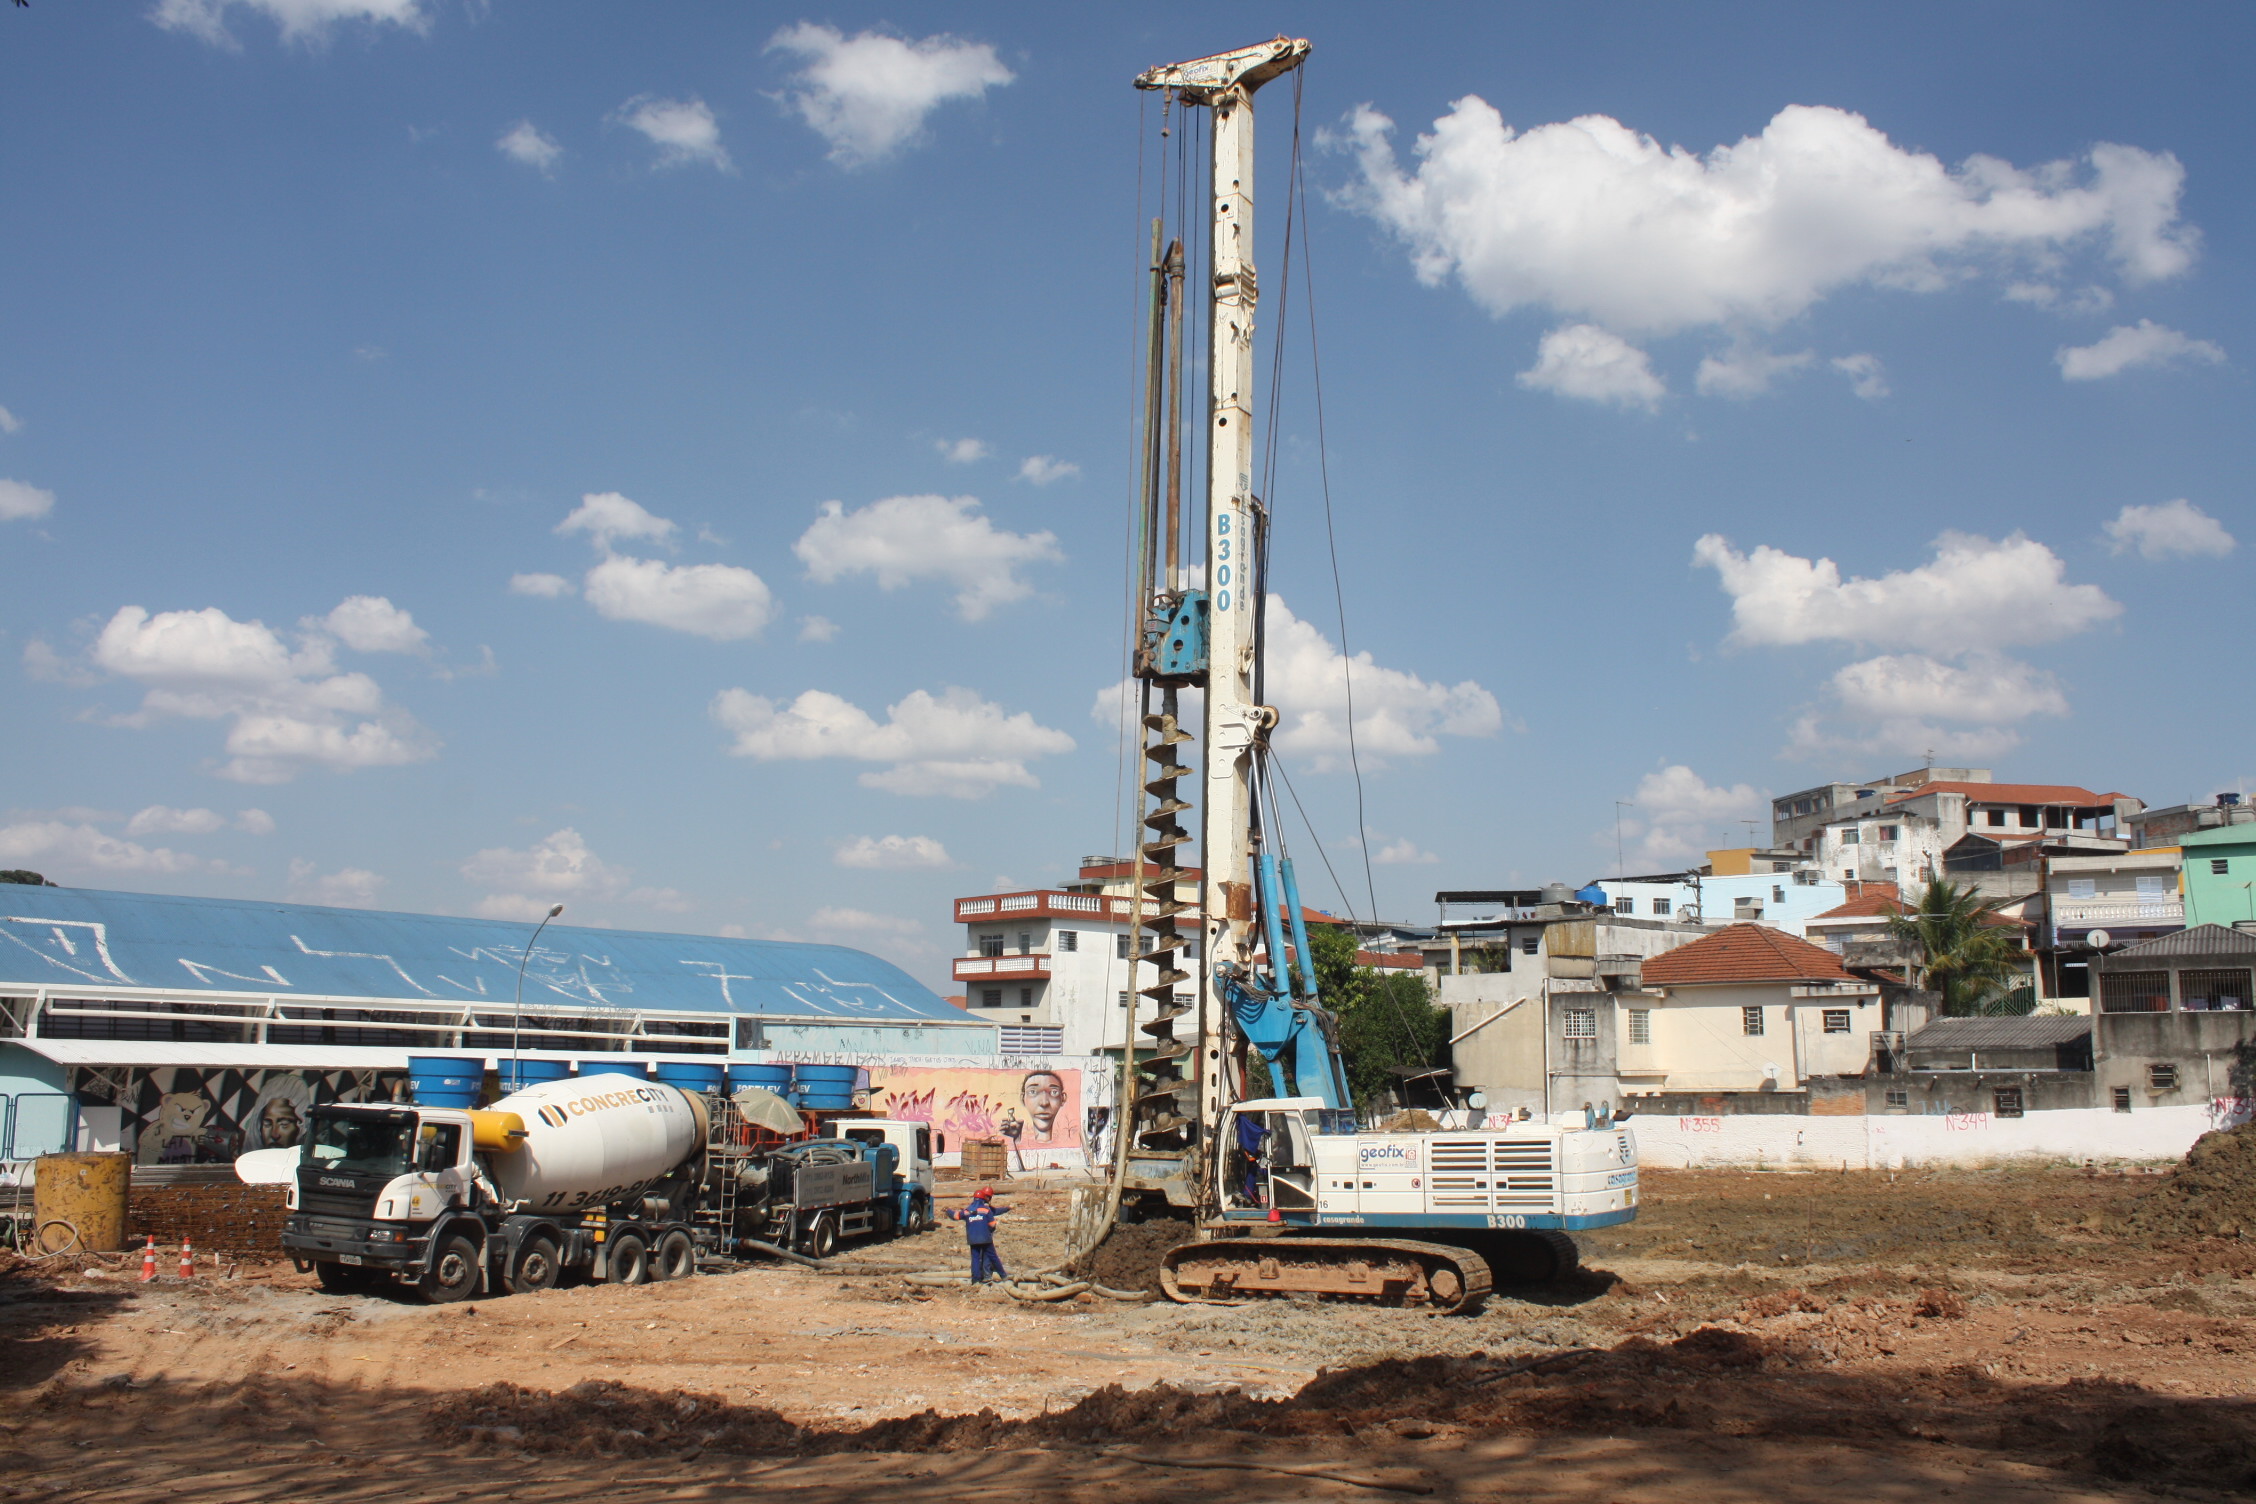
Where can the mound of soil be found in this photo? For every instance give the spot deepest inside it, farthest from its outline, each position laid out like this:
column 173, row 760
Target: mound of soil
column 1128, row 1258
column 2213, row 1194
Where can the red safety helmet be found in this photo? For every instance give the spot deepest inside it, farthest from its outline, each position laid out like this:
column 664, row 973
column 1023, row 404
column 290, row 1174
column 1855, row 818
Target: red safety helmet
column 984, row 1193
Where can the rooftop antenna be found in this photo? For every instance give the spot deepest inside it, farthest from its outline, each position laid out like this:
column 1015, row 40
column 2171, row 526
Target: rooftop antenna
column 1619, row 868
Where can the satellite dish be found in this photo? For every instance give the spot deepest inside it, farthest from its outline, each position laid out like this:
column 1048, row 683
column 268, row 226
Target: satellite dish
column 1770, row 1072
column 2099, row 939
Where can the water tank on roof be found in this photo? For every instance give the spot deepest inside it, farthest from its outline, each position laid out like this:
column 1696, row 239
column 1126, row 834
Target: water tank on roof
column 1556, row 893
column 1593, row 895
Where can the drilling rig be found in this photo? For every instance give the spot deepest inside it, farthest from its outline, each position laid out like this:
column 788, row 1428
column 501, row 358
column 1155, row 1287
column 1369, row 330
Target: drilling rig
column 1286, row 1193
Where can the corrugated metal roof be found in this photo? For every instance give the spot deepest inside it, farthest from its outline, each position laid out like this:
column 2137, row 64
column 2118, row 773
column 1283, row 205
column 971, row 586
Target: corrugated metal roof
column 2025, row 1033
column 2201, row 940
column 301, row 1057
column 80, row 938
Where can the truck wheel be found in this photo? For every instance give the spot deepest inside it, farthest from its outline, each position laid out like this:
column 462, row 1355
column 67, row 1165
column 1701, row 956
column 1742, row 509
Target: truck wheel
column 822, row 1235
column 536, row 1265
column 676, row 1257
column 920, row 1215
column 453, row 1274
column 344, row 1279
column 628, row 1261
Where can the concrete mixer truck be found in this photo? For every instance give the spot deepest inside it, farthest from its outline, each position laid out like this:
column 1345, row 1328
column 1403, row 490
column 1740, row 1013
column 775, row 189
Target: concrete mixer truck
column 596, row 1175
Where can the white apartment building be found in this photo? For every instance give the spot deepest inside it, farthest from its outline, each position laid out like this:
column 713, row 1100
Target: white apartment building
column 1782, row 900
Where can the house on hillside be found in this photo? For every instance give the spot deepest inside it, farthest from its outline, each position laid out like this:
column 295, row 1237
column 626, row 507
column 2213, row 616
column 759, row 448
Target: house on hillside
column 2177, row 1022
column 1746, row 1009
column 2220, row 875
column 2006, row 1067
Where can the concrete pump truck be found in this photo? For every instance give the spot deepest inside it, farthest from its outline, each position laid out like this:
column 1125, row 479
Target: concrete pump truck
column 1286, row 1193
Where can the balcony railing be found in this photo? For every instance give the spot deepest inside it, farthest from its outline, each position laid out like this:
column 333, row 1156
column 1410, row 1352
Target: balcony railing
column 2083, row 913
column 1047, row 905
column 1016, row 968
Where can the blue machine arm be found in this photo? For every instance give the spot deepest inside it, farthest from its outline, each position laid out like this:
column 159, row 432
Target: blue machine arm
column 1268, row 1015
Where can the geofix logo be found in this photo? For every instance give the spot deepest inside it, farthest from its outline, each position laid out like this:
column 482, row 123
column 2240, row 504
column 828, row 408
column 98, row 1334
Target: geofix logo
column 1387, row 1156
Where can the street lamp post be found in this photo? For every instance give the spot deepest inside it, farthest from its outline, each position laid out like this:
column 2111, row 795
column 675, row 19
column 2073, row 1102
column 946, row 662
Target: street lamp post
column 517, row 1009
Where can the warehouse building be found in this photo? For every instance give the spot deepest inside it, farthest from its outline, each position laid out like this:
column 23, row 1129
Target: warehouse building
column 190, row 1030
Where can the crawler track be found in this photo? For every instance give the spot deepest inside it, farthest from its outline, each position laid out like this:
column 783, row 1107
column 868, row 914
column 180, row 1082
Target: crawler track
column 1385, row 1271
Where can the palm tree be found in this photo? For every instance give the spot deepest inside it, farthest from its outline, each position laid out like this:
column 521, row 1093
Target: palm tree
column 1958, row 947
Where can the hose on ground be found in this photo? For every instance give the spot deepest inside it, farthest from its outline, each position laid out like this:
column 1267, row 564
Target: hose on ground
column 1061, row 1292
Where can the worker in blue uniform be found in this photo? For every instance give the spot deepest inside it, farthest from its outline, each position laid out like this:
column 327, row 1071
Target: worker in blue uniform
column 979, row 1231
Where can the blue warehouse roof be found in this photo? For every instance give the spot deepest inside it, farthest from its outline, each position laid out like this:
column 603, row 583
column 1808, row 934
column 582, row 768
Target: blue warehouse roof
column 78, row 938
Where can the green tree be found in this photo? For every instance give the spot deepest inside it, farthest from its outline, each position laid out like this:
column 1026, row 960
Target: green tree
column 1386, row 1019
column 1957, row 946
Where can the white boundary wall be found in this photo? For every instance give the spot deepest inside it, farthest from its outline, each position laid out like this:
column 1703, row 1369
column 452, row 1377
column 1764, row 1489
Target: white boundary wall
column 2065, row 1136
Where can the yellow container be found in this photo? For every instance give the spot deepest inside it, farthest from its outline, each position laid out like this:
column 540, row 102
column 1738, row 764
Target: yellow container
column 86, row 1191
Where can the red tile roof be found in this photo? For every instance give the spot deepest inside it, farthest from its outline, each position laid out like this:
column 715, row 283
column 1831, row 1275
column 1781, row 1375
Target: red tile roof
column 1745, row 953
column 2009, row 793
column 1876, row 905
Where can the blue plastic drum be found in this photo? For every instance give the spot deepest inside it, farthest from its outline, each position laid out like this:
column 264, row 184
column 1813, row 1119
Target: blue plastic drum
column 775, row 1078
column 516, row 1075
column 690, row 1075
column 445, row 1080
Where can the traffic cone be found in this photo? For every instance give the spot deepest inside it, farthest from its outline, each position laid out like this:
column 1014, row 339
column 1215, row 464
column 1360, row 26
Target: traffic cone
column 187, row 1260
column 149, row 1260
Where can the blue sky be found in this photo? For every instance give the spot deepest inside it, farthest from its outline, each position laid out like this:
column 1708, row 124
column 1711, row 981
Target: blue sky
column 674, row 461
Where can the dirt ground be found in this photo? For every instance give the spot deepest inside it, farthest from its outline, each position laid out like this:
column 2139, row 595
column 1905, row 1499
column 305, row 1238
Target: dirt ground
column 1773, row 1337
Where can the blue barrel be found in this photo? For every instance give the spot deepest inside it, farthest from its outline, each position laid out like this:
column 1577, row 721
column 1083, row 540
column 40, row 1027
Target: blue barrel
column 775, row 1078
column 516, row 1075
column 691, row 1075
column 824, row 1088
column 615, row 1065
column 445, row 1080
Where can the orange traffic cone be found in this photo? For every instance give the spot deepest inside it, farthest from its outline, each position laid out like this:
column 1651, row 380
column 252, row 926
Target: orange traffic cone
column 149, row 1260
column 187, row 1260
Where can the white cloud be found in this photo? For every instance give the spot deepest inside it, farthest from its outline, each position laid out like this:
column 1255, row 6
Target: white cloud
column 840, row 921
column 893, row 853
column 2130, row 347
column 162, row 820
column 62, row 851
column 1404, row 852
column 720, row 601
column 1678, row 816
column 817, row 629
column 255, row 822
column 1583, row 360
column 1866, row 377
column 868, row 94
column 9, row 422
column 2173, row 530
column 372, row 624
column 1814, row 739
column 1975, row 594
column 1397, row 714
column 1746, row 370
column 525, row 142
column 902, row 539
column 962, row 451
column 290, row 708
column 22, row 503
column 954, row 743
column 683, row 130
column 304, row 21
column 1042, row 469
column 606, row 517
column 1988, row 688
column 43, row 663
column 524, row 883
column 345, row 888
column 1591, row 219
column 547, row 586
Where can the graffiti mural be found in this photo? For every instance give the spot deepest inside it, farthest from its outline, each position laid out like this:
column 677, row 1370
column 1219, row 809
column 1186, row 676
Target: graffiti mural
column 178, row 1115
column 1034, row 1110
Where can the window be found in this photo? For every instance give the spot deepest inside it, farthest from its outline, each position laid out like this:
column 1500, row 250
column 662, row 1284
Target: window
column 2213, row 991
column 2150, row 889
column 1836, row 1020
column 1888, row 832
column 2006, row 1101
column 1625, row 905
column 1660, row 908
column 1751, row 1020
column 2134, row 992
column 1582, row 1023
column 2032, row 818
column 1025, row 942
column 1777, row 894
column 1994, row 817
column 990, row 945
column 2161, row 1078
column 2122, row 1096
column 1120, row 946
column 1123, row 999
column 1068, row 940
column 1640, row 1026
column 1529, row 944
column 990, row 997
column 1026, row 997
column 2083, row 887
column 2220, row 866
column 1746, row 908
column 1899, row 1098
column 1849, row 838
